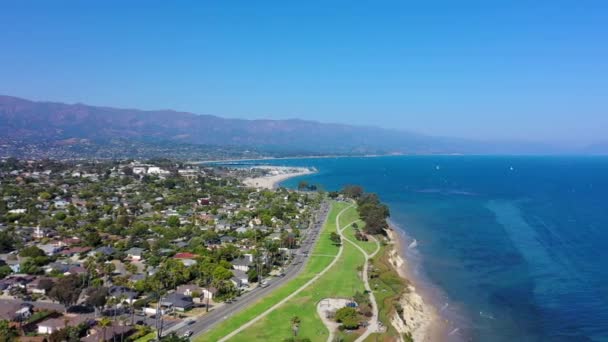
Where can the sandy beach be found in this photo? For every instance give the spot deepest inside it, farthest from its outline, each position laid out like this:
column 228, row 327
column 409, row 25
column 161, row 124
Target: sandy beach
column 277, row 174
column 423, row 320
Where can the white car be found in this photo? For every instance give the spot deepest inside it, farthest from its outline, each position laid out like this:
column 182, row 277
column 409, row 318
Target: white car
column 188, row 333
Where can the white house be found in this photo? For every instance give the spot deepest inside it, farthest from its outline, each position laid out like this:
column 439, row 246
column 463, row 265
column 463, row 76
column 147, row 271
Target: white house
column 135, row 253
column 155, row 170
column 17, row 211
column 139, row 170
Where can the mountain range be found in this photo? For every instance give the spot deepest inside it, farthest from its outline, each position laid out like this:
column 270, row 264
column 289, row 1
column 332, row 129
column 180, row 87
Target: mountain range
column 52, row 124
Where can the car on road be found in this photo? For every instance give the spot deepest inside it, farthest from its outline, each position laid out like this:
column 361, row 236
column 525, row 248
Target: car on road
column 188, row 333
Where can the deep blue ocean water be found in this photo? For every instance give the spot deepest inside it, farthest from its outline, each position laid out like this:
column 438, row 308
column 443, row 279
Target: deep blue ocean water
column 517, row 247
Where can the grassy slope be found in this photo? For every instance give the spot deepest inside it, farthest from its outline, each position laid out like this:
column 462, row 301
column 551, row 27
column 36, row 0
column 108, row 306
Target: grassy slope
column 314, row 266
column 342, row 280
column 388, row 287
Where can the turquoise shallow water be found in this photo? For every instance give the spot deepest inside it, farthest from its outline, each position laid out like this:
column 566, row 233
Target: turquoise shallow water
column 516, row 246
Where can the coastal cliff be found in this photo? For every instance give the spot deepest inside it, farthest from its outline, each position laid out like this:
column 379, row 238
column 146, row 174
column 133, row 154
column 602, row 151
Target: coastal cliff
column 414, row 317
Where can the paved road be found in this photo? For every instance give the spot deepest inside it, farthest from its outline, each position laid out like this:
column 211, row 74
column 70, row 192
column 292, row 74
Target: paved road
column 300, row 258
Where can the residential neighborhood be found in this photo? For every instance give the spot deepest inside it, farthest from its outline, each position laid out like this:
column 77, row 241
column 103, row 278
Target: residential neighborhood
column 99, row 251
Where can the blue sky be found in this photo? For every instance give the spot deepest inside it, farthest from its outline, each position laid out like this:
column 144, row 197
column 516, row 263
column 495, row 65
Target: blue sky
column 523, row 70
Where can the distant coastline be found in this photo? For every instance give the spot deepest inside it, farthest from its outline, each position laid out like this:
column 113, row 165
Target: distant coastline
column 278, row 174
column 327, row 156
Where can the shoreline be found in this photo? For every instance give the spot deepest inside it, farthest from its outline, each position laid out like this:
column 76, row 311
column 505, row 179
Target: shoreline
column 273, row 181
column 424, row 321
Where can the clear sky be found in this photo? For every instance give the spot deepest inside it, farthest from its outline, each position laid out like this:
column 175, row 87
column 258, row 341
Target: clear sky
column 532, row 70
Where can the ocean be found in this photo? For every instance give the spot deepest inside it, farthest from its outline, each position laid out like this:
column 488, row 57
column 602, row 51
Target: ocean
column 510, row 248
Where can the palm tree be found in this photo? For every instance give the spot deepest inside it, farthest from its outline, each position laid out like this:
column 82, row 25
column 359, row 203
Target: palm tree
column 295, row 325
column 104, row 323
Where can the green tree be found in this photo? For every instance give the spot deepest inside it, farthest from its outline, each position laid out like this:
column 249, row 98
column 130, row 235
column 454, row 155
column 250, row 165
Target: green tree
column 5, row 271
column 348, row 317
column 31, row 252
column 7, row 332
column 173, row 221
column 44, row 196
column 295, row 325
column 335, row 238
column 67, row 290
column 29, row 266
column 97, row 297
column 7, row 242
column 60, row 216
column 352, row 191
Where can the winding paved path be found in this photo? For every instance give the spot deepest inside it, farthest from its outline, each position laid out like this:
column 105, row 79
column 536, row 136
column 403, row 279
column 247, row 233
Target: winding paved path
column 373, row 325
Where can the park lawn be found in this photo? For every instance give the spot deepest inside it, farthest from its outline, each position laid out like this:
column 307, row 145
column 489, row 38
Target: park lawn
column 369, row 246
column 314, row 265
column 342, row 280
column 324, row 245
column 349, row 216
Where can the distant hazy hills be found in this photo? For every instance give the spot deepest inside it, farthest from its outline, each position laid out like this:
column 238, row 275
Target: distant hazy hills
column 58, row 123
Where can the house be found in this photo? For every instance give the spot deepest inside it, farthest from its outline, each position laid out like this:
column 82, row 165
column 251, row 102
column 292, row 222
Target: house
column 241, row 230
column 185, row 255
column 155, row 170
column 14, row 264
column 112, row 333
column 227, row 239
column 61, row 204
column 213, row 243
column 222, row 226
column 40, row 285
column 49, row 249
column 105, row 250
column 16, row 311
column 17, row 211
column 190, row 290
column 78, row 270
column 204, row 201
column 57, row 267
column 51, row 325
column 75, row 250
column 240, row 278
column 135, row 253
column 139, row 170
column 209, row 293
column 177, row 301
column 243, row 263
column 188, row 262
column 123, row 293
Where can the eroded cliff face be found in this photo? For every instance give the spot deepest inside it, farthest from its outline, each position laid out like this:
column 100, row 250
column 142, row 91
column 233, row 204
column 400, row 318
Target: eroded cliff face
column 417, row 316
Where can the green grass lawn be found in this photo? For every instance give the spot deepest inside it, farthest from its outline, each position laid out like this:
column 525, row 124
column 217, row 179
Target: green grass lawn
column 342, row 280
column 349, row 216
column 369, row 246
column 148, row 337
column 314, row 265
